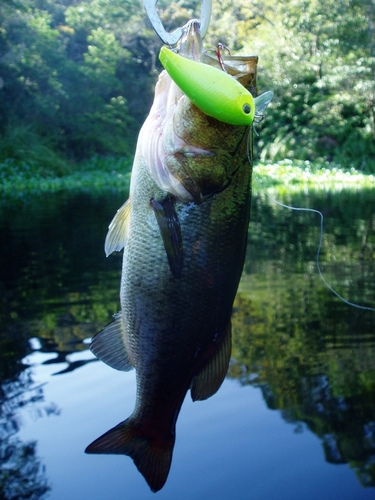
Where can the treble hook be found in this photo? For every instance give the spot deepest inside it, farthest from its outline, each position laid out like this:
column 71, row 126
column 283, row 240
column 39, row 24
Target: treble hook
column 172, row 38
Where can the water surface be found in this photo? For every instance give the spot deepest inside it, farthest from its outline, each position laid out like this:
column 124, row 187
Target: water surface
column 295, row 417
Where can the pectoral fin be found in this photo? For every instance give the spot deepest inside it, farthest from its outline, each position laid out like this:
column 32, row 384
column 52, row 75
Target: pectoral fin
column 209, row 380
column 170, row 230
column 108, row 345
column 118, row 230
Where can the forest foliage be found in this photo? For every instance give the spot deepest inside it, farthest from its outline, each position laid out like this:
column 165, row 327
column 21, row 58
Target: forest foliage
column 77, row 77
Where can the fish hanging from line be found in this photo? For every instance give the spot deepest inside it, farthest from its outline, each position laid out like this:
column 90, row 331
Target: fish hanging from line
column 184, row 235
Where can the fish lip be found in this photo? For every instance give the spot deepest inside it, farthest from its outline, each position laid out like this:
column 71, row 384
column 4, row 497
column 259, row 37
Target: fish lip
column 191, row 41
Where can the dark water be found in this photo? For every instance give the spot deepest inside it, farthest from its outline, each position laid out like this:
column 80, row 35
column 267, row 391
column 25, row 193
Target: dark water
column 295, row 417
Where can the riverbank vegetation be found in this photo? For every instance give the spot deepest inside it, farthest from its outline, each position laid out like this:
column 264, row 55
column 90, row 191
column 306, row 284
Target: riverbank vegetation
column 77, row 79
column 18, row 180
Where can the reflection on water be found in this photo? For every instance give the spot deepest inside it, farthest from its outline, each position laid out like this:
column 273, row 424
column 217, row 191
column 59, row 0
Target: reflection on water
column 312, row 356
column 22, row 474
column 48, row 281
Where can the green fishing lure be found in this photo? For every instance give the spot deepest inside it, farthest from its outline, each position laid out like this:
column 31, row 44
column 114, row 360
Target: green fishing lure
column 212, row 90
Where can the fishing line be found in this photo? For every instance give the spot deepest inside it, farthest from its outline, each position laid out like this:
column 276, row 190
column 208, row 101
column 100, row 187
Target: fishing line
column 367, row 308
column 313, row 210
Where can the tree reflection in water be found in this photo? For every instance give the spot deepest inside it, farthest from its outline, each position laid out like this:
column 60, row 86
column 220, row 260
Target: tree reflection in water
column 312, row 356
column 22, row 475
column 46, row 294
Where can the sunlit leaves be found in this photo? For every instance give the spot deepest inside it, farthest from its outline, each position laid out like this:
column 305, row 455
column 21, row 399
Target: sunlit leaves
column 61, row 64
column 103, row 54
column 320, row 52
column 94, row 14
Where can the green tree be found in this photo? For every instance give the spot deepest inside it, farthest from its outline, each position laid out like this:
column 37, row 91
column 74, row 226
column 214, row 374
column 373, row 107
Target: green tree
column 77, row 77
column 318, row 57
column 70, row 99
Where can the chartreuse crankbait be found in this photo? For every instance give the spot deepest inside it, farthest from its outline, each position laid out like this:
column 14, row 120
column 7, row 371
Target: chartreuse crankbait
column 213, row 91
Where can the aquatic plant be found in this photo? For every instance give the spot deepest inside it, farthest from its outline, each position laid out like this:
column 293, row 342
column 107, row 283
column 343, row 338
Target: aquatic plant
column 99, row 173
column 19, row 178
column 297, row 175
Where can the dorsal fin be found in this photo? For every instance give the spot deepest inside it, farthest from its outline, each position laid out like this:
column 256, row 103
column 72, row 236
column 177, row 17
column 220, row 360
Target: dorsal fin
column 108, row 345
column 210, row 378
column 170, row 230
column 118, row 229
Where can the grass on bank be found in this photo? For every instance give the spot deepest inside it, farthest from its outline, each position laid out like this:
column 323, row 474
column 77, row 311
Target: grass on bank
column 96, row 174
column 18, row 178
column 297, row 175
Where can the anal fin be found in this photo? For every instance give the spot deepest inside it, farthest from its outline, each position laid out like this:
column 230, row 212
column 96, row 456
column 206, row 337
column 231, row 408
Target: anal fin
column 108, row 345
column 210, row 378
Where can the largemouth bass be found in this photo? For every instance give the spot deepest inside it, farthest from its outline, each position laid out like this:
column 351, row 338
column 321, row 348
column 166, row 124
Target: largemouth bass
column 184, row 234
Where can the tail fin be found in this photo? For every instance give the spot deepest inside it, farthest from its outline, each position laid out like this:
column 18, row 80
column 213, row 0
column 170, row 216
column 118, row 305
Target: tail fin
column 152, row 456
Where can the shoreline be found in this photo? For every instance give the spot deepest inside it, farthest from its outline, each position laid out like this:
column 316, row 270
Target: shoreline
column 102, row 174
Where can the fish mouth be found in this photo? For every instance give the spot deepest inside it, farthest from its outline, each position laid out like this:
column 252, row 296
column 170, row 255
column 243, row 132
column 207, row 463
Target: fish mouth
column 187, row 153
column 165, row 153
column 191, row 41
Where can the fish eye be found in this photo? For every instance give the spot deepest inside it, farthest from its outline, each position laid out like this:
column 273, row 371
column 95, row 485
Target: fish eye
column 246, row 109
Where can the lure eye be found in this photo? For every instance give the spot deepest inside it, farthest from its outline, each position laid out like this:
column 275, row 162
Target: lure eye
column 246, row 109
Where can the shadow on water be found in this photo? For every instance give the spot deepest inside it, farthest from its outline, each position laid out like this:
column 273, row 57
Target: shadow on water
column 312, row 356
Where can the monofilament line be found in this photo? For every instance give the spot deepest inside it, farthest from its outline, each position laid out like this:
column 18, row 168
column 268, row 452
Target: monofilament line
column 352, row 304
